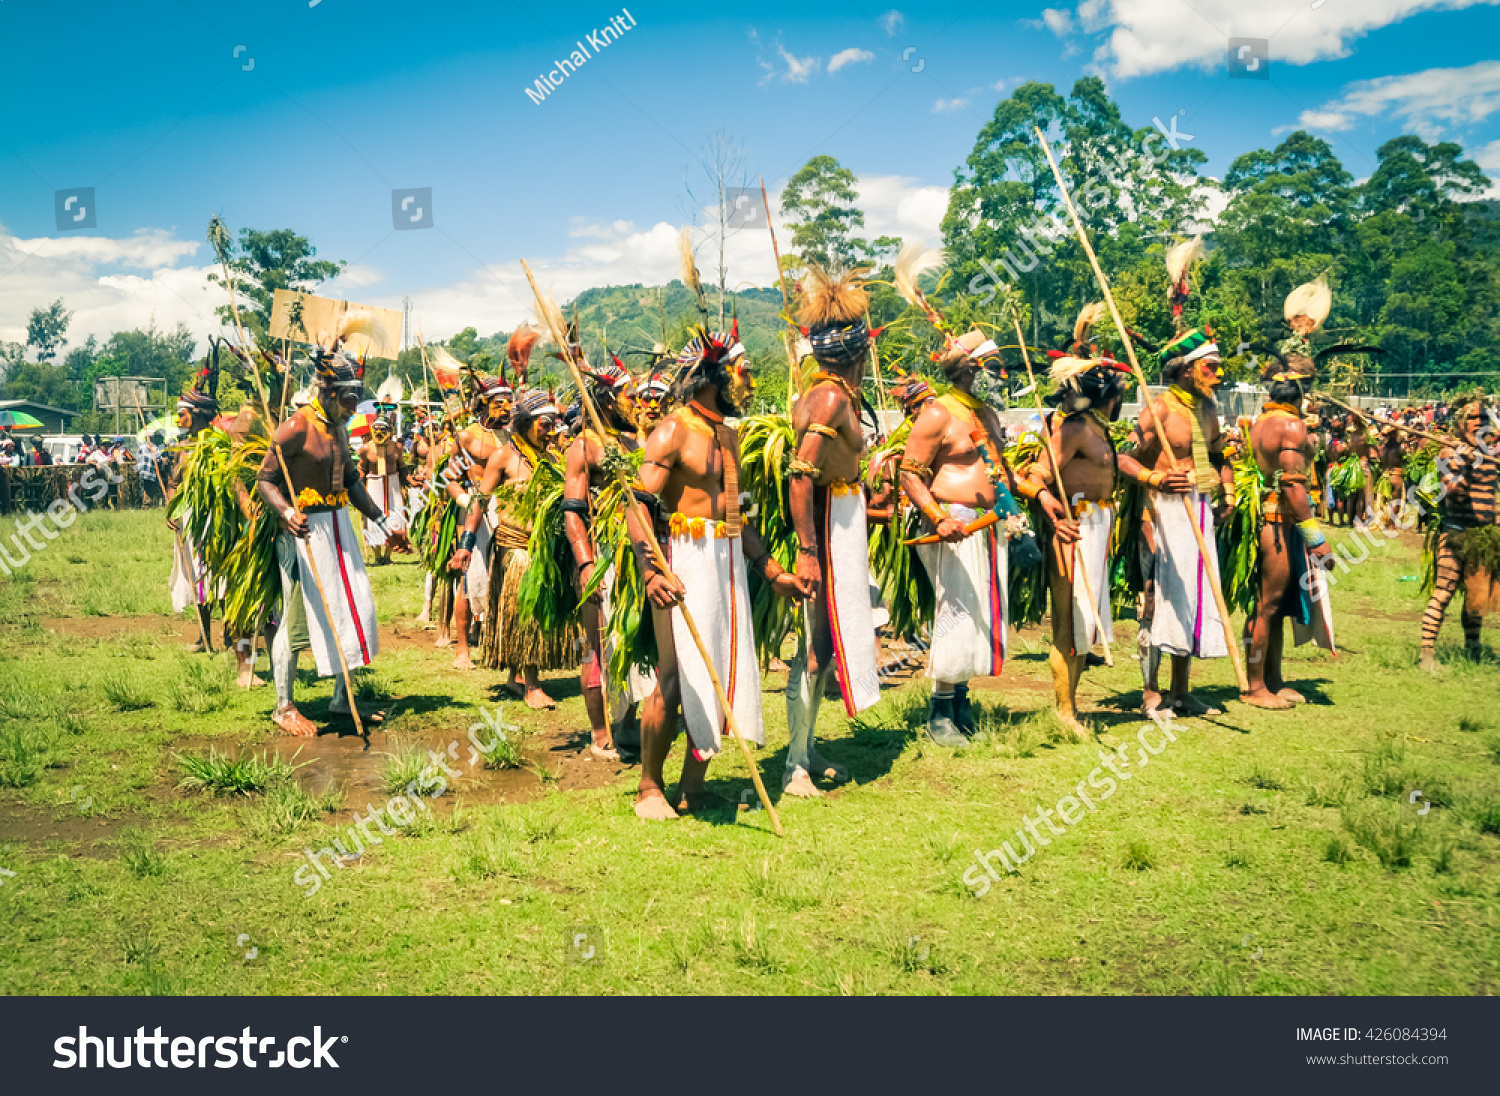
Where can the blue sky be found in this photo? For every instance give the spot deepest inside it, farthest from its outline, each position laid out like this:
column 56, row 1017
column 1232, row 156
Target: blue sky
column 331, row 105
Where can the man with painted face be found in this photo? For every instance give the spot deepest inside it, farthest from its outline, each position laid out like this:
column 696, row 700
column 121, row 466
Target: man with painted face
column 654, row 392
column 689, row 484
column 511, row 641
column 1088, row 393
column 476, row 445
column 1181, row 617
column 828, row 510
column 324, row 479
column 613, row 393
column 190, row 583
column 384, row 471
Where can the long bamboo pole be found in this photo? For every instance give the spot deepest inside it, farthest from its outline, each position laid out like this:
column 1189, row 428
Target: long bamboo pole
column 1441, row 439
column 793, row 382
column 633, row 504
column 1082, row 569
column 286, row 474
column 1210, row 560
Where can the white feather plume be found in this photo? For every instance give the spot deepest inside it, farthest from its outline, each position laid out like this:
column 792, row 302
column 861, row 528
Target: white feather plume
column 914, row 260
column 1183, row 255
column 1313, row 300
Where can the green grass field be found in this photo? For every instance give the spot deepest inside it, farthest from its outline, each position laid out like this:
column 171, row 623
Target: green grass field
column 154, row 821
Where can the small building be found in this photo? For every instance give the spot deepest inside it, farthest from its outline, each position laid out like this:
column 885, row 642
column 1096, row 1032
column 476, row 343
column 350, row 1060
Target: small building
column 54, row 420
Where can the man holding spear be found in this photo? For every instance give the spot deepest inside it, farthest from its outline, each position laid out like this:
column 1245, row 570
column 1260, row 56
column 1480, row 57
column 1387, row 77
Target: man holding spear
column 317, row 539
column 689, row 485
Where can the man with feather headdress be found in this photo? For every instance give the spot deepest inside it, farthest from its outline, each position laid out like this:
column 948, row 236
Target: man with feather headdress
column 690, row 484
column 1088, row 393
column 954, row 471
column 828, row 510
column 1293, row 550
column 1179, row 614
column 382, row 465
column 322, row 476
column 475, row 445
column 511, row 640
column 613, row 393
column 190, row 583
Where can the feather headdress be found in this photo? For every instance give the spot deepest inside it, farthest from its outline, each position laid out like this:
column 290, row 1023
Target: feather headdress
column 359, row 331
column 390, row 392
column 914, row 260
column 832, row 315
column 1180, row 259
column 446, row 368
column 1083, row 327
column 203, row 398
column 518, row 350
column 1082, row 383
column 1311, row 302
column 690, row 276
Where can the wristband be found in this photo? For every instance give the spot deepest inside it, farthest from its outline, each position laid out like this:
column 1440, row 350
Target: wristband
column 289, row 513
column 1152, row 480
column 934, row 513
column 808, row 550
column 1028, row 489
column 766, row 569
column 464, row 500
column 1312, row 533
column 467, row 540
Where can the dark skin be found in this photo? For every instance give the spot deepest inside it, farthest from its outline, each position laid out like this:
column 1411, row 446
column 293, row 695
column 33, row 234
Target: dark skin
column 685, row 468
column 583, row 472
column 382, row 448
column 1144, row 449
column 194, row 425
column 1280, row 443
column 480, row 442
column 1086, row 461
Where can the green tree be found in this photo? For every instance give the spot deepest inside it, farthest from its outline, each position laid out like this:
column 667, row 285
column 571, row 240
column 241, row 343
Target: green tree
column 819, row 201
column 46, row 331
column 262, row 262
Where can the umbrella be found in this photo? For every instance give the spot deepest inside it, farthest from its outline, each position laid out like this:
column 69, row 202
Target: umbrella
column 19, row 420
column 359, row 425
column 166, row 425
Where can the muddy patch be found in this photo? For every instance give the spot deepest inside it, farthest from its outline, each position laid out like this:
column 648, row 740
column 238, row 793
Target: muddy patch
column 83, row 834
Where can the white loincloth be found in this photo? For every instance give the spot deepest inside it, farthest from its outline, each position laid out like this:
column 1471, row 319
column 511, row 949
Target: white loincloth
column 712, row 568
column 1186, row 620
column 386, row 491
column 188, row 583
column 850, row 615
column 639, row 684
column 970, row 581
column 478, row 574
column 341, row 567
column 1095, row 526
column 1320, row 631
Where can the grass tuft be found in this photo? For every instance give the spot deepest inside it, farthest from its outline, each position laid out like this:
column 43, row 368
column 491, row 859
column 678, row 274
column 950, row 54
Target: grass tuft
column 24, row 755
column 1393, row 835
column 201, row 685
column 126, row 693
column 220, row 774
column 1138, row 856
column 1337, row 851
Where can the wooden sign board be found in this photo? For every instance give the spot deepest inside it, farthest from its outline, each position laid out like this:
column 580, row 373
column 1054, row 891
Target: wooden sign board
column 321, row 318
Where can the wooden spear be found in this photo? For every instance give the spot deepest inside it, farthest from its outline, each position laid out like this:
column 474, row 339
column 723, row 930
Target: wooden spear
column 1441, row 439
column 1081, row 570
column 286, row 473
column 633, row 504
column 787, row 336
column 1212, row 569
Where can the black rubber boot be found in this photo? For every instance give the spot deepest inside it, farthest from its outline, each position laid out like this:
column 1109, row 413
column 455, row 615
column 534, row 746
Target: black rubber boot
column 963, row 715
column 940, row 726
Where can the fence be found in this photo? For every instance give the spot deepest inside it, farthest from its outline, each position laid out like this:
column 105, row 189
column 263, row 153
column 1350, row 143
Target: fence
column 34, row 489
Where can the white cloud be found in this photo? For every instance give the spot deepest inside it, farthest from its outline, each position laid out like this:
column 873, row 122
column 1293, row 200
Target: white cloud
column 1428, row 103
column 797, row 70
column 891, row 22
column 1146, row 36
column 948, row 106
column 848, row 57
column 1488, row 157
column 998, row 85
column 1057, row 21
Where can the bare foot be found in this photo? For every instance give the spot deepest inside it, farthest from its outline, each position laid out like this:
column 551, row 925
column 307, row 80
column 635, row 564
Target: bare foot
column 798, row 783
column 443, row 641
column 539, row 701
column 653, row 807
column 1429, row 660
column 366, row 716
column 1071, row 721
column 1286, row 692
column 248, row 680
column 1264, row 698
column 463, row 662
column 515, row 689
column 777, row 667
column 1150, row 701
column 828, row 770
column 603, row 753
column 1191, row 705
column 295, row 723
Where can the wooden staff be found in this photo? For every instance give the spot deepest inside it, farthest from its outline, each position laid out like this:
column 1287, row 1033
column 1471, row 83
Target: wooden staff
column 1441, row 439
column 1081, row 570
column 633, row 504
column 286, row 474
column 787, row 337
column 1230, row 640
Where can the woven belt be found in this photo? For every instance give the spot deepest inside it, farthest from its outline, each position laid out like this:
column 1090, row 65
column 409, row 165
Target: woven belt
column 1270, row 507
column 510, row 535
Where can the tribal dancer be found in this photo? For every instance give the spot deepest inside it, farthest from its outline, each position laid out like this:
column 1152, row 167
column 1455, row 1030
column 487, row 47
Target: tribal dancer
column 654, row 392
column 1290, row 564
column 1467, row 549
column 385, row 479
column 477, row 445
column 613, row 394
column 829, row 514
column 1088, row 394
column 189, row 583
column 689, row 482
column 323, row 478
column 954, row 472
column 510, row 640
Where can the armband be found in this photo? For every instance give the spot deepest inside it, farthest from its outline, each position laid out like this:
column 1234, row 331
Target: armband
column 467, row 540
column 648, row 500
column 800, row 467
column 1294, row 477
column 464, row 500
column 819, row 428
column 1028, row 489
column 1150, row 479
column 934, row 513
column 916, row 468
column 289, row 513
column 1312, row 533
column 576, row 506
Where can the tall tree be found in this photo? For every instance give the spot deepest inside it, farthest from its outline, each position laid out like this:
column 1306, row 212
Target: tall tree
column 47, row 330
column 262, row 262
column 819, row 201
column 723, row 164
